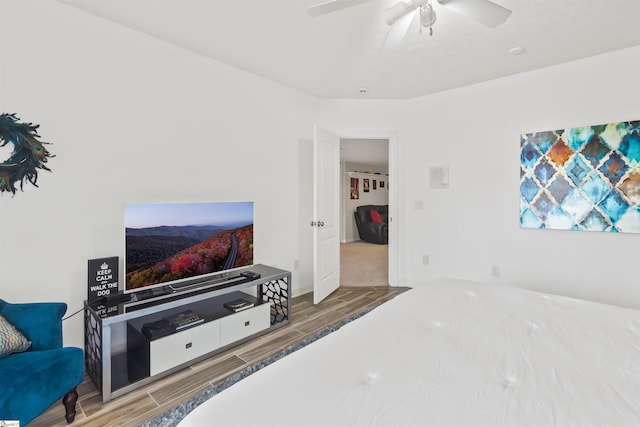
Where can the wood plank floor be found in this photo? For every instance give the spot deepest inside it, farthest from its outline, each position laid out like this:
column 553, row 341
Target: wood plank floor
column 154, row 399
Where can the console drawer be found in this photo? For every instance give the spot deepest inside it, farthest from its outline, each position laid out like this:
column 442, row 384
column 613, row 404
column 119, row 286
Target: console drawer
column 183, row 346
column 244, row 323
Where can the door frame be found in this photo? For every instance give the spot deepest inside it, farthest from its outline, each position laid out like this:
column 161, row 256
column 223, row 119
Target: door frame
column 394, row 178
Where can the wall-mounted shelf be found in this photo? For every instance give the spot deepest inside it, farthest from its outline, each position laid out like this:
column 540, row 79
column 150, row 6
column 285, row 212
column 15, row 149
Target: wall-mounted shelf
column 369, row 174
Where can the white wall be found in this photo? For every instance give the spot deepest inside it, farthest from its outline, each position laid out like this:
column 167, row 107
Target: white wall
column 133, row 119
column 474, row 224
column 305, row 231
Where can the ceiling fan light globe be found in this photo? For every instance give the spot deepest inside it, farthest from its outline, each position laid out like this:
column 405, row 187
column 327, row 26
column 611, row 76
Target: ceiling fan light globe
column 427, row 15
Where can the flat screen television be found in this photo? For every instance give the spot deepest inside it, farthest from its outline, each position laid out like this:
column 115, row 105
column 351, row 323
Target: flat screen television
column 177, row 244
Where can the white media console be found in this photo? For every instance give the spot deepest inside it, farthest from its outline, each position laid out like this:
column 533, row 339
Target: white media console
column 120, row 358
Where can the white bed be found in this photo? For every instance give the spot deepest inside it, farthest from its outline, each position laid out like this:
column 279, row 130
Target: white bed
column 452, row 353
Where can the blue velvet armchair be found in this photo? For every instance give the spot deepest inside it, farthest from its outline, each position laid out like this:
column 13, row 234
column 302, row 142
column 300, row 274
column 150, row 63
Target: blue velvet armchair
column 31, row 381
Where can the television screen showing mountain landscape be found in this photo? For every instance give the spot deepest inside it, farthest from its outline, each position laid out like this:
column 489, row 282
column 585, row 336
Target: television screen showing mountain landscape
column 175, row 241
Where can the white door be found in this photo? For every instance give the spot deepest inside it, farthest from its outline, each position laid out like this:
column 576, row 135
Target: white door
column 326, row 208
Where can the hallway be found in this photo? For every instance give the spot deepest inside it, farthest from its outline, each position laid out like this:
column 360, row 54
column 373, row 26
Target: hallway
column 364, row 264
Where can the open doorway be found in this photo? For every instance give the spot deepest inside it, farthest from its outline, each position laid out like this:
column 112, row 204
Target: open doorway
column 364, row 249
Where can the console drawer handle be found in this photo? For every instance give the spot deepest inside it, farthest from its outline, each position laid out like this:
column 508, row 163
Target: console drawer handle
column 247, row 323
column 188, row 345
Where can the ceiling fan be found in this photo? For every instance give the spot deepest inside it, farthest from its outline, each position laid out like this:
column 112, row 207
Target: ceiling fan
column 485, row 12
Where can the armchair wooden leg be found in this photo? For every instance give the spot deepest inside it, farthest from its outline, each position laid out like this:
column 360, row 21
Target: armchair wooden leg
column 69, row 401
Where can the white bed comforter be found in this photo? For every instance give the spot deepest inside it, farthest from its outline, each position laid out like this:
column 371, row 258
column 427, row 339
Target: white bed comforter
column 452, row 353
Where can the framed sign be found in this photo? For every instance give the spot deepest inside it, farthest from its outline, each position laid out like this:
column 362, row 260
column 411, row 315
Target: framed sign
column 103, row 278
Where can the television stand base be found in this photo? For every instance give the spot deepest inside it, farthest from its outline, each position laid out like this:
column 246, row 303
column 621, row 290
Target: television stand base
column 119, row 358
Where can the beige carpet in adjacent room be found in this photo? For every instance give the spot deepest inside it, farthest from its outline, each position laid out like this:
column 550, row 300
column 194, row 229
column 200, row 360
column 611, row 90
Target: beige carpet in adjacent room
column 364, row 264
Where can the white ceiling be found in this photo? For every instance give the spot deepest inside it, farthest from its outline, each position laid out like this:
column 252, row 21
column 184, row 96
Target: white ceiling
column 338, row 54
column 335, row 55
column 371, row 152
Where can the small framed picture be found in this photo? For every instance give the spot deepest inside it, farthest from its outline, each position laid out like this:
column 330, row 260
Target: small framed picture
column 365, row 185
column 354, row 189
column 373, row 185
column 381, row 184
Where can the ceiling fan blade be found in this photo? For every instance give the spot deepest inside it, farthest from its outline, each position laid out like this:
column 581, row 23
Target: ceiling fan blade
column 482, row 11
column 397, row 32
column 332, row 6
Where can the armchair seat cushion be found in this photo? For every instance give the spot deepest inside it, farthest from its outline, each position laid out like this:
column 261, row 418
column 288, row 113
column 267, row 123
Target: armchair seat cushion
column 36, row 379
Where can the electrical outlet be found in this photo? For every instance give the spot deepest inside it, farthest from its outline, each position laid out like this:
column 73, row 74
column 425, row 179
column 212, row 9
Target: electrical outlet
column 425, row 259
column 495, row 270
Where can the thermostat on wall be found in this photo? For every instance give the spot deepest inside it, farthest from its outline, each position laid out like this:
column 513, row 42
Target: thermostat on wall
column 439, row 176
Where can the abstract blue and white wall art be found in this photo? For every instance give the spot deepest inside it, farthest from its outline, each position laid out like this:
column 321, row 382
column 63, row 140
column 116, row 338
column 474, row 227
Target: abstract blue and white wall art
column 585, row 179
